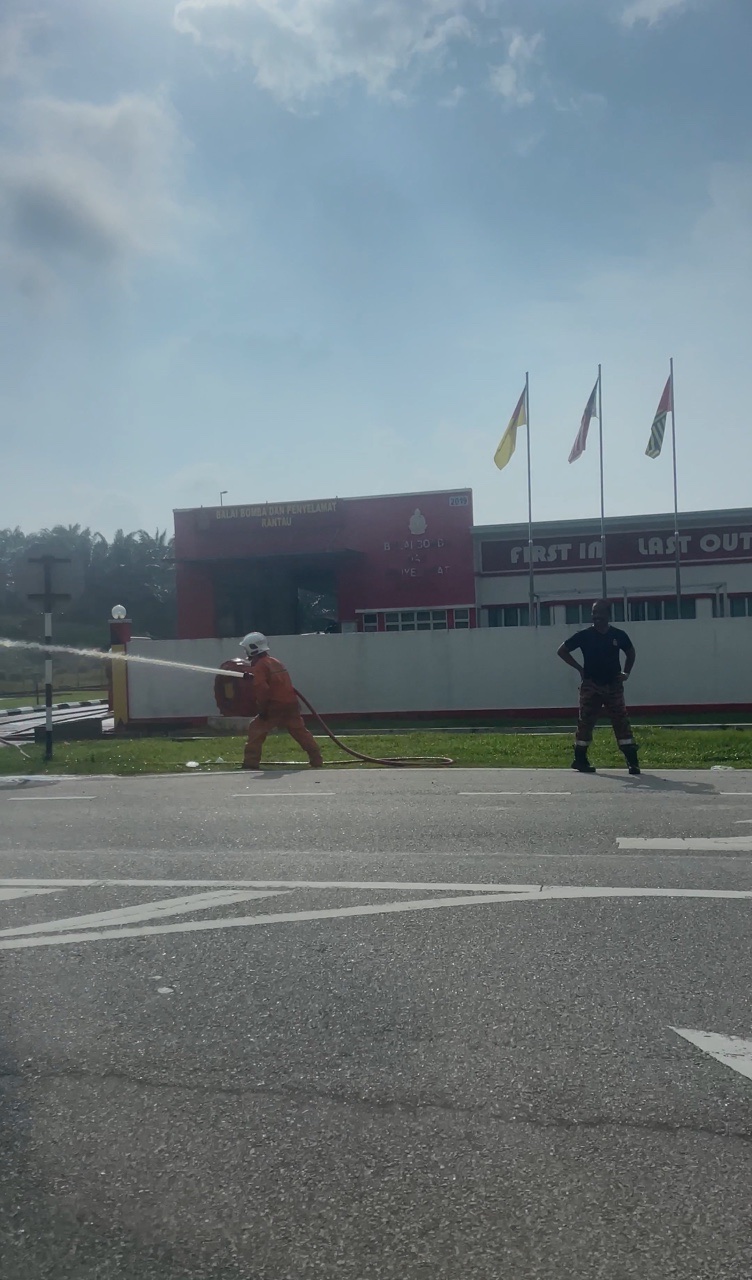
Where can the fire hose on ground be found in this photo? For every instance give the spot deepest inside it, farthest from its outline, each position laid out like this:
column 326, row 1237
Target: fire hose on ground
column 392, row 762
column 234, row 697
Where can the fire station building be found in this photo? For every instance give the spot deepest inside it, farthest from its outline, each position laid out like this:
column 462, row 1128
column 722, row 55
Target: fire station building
column 416, row 562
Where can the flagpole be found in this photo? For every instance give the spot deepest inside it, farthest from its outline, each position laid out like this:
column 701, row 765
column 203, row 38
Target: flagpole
column 533, row 620
column 604, row 577
column 677, row 545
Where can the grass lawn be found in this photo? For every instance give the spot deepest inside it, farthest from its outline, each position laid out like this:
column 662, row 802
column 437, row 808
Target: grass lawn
column 661, row 749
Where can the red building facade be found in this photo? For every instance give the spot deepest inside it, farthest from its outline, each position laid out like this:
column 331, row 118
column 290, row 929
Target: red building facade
column 398, row 562
column 414, row 562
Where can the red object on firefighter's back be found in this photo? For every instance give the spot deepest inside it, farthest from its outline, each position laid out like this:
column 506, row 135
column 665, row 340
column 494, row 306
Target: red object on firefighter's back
column 235, row 697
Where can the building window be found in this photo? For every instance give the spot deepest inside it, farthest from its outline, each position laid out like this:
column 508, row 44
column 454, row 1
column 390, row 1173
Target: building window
column 415, row 620
column 511, row 615
column 661, row 610
column 688, row 609
column 740, row 606
column 582, row 613
column 517, row 615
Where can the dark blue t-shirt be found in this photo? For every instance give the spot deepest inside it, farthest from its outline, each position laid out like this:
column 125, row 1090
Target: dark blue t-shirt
column 600, row 653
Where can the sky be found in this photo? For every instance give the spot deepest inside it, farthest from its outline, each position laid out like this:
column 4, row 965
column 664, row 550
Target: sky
column 300, row 249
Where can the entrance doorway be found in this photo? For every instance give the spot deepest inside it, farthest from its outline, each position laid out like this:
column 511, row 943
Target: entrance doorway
column 281, row 595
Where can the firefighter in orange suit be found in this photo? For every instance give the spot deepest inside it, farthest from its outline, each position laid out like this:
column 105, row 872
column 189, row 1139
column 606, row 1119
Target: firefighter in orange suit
column 277, row 704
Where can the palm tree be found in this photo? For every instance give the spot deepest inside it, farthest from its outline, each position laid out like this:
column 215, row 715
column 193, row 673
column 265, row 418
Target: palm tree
column 135, row 569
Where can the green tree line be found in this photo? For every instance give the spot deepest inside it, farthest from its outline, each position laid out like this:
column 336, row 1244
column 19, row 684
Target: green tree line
column 133, row 569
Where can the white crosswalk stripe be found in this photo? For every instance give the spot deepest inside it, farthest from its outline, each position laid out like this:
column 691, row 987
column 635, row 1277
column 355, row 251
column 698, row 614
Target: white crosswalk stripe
column 221, row 896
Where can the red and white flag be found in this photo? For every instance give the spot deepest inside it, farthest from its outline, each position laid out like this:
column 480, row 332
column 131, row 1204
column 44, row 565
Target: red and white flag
column 658, row 430
column 591, row 411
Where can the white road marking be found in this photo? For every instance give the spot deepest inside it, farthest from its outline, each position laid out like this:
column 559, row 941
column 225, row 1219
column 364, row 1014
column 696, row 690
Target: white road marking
column 732, row 1051
column 42, row 937
column 27, row 799
column 142, row 911
column 735, row 793
column 7, row 894
column 196, row 926
column 737, row 844
column 279, row 795
column 535, row 890
column 590, row 891
column 389, row 885
column 165, row 991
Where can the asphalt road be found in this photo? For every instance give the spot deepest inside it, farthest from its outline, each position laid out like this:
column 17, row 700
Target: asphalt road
column 408, row 1026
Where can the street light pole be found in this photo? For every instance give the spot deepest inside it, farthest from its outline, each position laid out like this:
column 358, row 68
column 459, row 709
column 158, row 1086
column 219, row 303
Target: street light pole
column 50, row 595
column 221, row 496
column 48, row 580
column 47, row 563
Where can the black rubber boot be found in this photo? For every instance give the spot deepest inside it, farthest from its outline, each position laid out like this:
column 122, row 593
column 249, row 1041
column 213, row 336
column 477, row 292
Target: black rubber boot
column 581, row 762
column 630, row 755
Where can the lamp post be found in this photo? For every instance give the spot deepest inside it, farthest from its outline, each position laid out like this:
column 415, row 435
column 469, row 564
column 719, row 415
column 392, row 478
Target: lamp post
column 221, row 496
column 117, row 678
column 120, row 625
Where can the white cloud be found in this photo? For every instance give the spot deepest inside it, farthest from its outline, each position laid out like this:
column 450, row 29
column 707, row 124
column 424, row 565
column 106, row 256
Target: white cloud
column 25, row 53
column 12, row 49
column 301, row 48
column 651, row 11
column 453, row 98
column 15, row 54
column 88, row 184
column 510, row 80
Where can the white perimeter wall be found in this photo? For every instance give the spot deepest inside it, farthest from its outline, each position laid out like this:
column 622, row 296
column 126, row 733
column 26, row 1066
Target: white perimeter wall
column 698, row 662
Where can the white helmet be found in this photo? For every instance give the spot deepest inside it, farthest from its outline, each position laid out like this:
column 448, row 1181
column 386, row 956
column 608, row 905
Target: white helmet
column 254, row 644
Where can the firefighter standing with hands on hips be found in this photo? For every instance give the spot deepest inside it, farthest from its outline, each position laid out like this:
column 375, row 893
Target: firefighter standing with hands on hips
column 602, row 685
column 276, row 702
